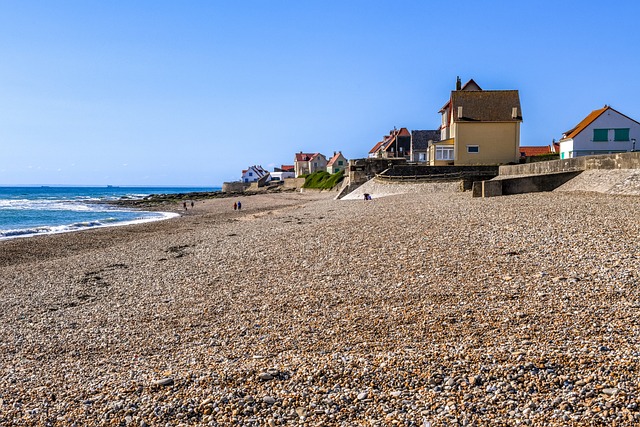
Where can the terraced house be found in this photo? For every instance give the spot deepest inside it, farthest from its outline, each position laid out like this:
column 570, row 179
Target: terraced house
column 478, row 127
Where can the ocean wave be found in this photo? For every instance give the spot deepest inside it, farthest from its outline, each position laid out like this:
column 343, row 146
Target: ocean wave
column 50, row 205
column 84, row 225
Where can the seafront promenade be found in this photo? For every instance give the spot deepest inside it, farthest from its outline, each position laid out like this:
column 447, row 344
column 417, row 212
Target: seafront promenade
column 431, row 309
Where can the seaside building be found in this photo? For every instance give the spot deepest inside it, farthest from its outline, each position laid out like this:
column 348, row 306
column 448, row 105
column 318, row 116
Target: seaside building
column 478, row 127
column 337, row 163
column 420, row 140
column 603, row 131
column 253, row 174
column 306, row 163
column 397, row 144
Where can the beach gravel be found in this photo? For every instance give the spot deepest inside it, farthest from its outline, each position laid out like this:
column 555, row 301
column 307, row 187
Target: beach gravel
column 411, row 310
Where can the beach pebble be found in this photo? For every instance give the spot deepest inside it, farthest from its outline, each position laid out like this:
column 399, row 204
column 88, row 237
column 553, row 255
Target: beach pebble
column 163, row 382
column 265, row 376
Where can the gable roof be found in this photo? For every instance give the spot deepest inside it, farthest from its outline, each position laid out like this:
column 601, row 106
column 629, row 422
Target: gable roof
column 486, row 105
column 471, row 85
column 259, row 170
column 591, row 117
column 376, row 147
column 305, row 157
column 401, row 132
column 420, row 138
column 335, row 158
column 584, row 123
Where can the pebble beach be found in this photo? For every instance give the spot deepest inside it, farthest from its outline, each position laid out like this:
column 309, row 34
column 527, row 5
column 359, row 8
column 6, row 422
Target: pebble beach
column 409, row 310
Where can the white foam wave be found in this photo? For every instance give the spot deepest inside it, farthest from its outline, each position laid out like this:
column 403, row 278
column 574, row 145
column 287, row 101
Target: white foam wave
column 53, row 205
column 108, row 222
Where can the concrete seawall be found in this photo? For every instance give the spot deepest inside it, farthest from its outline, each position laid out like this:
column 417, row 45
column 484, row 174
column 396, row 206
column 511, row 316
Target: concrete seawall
column 611, row 173
column 629, row 160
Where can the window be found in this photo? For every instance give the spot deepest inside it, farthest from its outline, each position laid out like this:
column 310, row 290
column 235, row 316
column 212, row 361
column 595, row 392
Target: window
column 601, row 135
column 621, row 134
column 250, row 173
column 422, row 157
column 444, row 152
column 339, row 162
column 473, row 149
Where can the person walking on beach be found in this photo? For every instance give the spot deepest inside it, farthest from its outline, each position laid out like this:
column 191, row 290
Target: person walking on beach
column 192, row 204
column 185, row 205
column 239, row 205
column 235, row 206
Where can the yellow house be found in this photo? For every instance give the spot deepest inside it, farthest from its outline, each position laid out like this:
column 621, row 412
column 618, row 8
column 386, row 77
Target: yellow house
column 479, row 127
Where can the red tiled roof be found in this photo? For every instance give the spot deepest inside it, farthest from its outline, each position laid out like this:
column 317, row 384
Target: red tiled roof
column 334, row 158
column 304, row 157
column 404, row 132
column 376, row 147
column 287, row 168
column 537, row 150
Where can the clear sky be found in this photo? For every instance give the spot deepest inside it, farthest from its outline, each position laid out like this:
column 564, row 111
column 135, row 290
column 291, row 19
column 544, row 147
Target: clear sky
column 192, row 92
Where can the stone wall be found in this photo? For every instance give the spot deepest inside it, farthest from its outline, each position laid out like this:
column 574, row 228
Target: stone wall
column 293, row 183
column 362, row 170
column 234, row 187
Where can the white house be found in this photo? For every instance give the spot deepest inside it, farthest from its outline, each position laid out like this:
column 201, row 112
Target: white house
column 603, row 131
column 253, row 174
column 282, row 175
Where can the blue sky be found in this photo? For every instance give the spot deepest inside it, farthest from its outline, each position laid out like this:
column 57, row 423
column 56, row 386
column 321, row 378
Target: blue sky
column 192, row 92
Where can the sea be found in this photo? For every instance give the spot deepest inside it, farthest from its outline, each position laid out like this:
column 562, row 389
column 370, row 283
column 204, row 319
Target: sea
column 37, row 210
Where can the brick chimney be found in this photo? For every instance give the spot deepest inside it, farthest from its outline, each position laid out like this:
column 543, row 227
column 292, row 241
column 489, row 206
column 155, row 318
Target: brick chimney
column 458, row 83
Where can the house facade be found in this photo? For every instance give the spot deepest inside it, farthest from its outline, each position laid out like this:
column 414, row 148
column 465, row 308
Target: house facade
column 478, row 127
column 396, row 144
column 306, row 163
column 603, row 131
column 253, row 174
column 337, row 163
column 420, row 141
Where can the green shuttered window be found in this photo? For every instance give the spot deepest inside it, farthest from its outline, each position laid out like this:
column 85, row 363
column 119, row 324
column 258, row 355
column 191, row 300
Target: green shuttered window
column 621, row 135
column 601, row 135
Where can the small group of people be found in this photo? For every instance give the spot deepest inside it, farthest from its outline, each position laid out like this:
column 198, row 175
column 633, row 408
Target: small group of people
column 185, row 205
column 367, row 196
column 237, row 205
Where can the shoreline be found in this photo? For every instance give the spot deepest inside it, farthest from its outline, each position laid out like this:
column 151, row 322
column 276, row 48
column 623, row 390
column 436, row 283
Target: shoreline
column 402, row 309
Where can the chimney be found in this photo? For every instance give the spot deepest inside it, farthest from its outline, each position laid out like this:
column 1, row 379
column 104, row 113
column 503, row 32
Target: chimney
column 458, row 83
